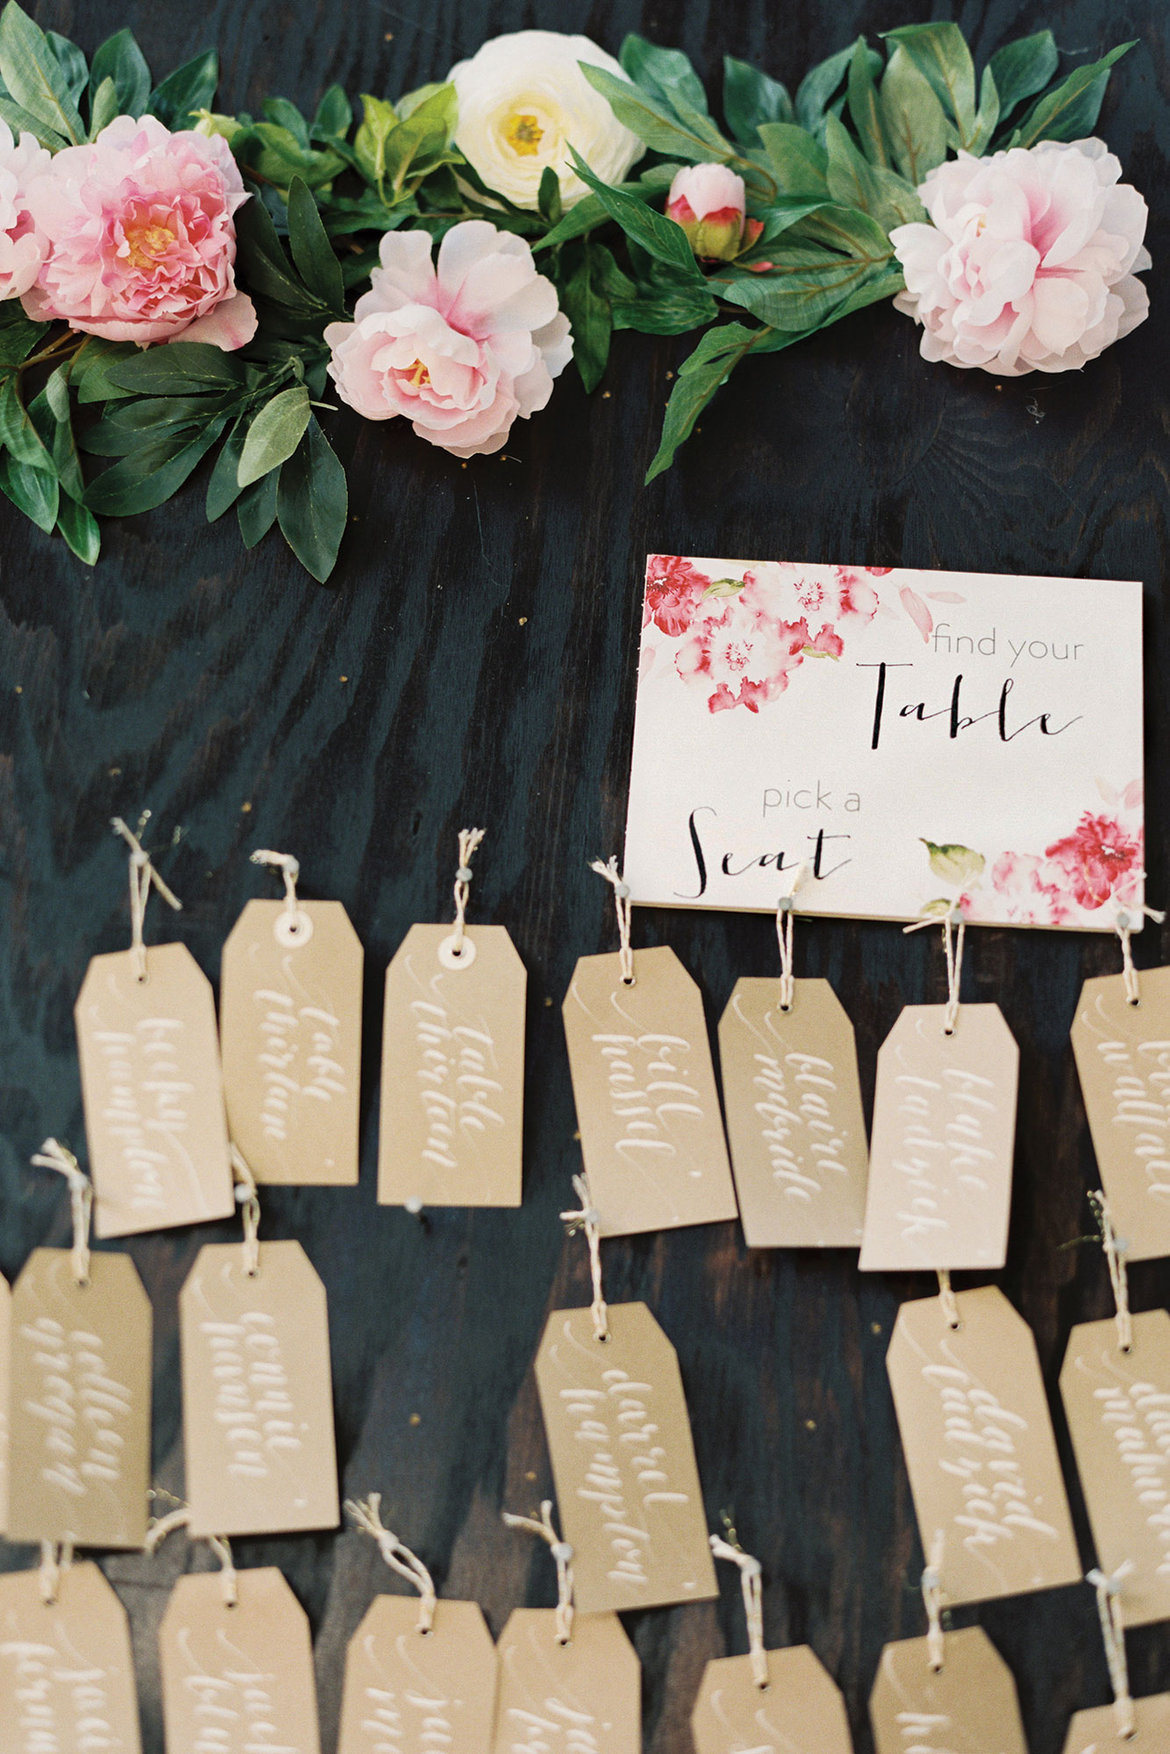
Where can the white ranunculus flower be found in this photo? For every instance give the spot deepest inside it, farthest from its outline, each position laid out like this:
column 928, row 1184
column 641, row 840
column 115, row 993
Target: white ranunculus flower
column 523, row 100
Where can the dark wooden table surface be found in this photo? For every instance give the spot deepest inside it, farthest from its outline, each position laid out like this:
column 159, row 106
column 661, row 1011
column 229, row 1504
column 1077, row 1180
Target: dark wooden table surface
column 473, row 661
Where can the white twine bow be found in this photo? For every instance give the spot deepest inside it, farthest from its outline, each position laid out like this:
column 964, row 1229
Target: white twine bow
column 142, row 877
column 950, row 1305
column 366, row 1514
column 162, row 1526
column 56, row 1558
column 1115, row 1258
column 562, row 1553
column 53, row 1155
column 588, row 1219
column 932, row 1601
column 752, row 1585
column 469, row 839
column 248, row 1200
column 785, row 914
column 621, row 900
column 1113, row 1632
column 1123, row 926
column 953, row 950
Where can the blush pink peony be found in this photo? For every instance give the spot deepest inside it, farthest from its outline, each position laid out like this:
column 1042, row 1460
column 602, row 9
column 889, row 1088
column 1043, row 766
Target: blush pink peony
column 461, row 346
column 143, row 245
column 708, row 201
column 1029, row 262
column 23, row 246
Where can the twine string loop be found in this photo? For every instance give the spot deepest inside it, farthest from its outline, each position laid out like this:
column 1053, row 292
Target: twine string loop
column 1115, row 1258
column 1123, row 926
column 752, row 1584
column 588, row 1219
column 180, row 1518
column 785, row 915
column 469, row 839
column 933, row 1602
column 1113, row 1633
column 143, row 877
column 562, row 1553
column 366, row 1515
column 53, row 1155
column 248, row 1200
column 954, row 928
column 608, row 868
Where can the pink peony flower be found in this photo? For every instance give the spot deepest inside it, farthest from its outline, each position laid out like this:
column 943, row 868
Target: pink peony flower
column 1030, row 259
column 1030, row 892
column 460, row 347
column 1099, row 861
column 786, row 591
column 143, row 245
column 23, row 247
column 708, row 201
column 741, row 655
column 674, row 590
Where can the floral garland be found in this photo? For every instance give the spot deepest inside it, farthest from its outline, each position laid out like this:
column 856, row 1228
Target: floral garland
column 570, row 195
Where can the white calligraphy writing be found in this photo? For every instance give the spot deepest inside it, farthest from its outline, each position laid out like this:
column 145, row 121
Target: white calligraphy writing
column 299, row 1056
column 253, row 1403
column 944, row 1146
column 145, row 1105
column 62, row 1702
column 798, row 1128
column 1141, row 1103
column 82, row 1408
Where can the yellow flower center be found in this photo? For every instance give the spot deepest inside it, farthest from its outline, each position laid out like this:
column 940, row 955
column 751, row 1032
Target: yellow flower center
column 148, row 243
column 418, row 375
column 524, row 135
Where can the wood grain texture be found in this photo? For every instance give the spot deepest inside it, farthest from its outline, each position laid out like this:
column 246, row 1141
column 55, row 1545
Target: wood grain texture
column 474, row 660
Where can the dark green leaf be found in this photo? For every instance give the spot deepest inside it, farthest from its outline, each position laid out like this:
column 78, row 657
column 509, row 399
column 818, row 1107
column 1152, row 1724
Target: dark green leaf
column 915, row 125
column 263, row 264
column 587, row 307
column 287, row 116
column 659, row 236
column 152, row 474
column 80, row 529
column 1070, row 111
column 1023, row 68
column 940, row 53
column 666, row 74
column 987, row 115
column 804, row 286
column 17, row 432
column 223, row 487
column 700, row 375
column 91, row 365
column 71, row 62
column 177, row 369
column 121, row 60
column 854, row 182
column 657, row 126
column 139, row 421
column 274, row 433
column 800, row 163
column 33, row 76
column 864, row 106
column 334, row 116
column 50, row 414
column 35, row 492
column 21, row 122
column 256, row 510
column 276, row 156
column 312, row 503
column 749, row 98
column 18, row 333
column 818, row 87
column 674, row 312
column 589, row 213
column 104, row 107
column 549, row 196
column 311, row 250
column 189, row 88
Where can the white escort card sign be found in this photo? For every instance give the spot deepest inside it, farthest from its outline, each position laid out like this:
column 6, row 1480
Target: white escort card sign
column 66, row 1669
column 915, row 736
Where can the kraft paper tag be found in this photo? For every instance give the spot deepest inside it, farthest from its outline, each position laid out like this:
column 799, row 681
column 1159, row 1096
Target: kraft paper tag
column 794, row 1117
column 257, row 1393
column 1095, row 1732
column 584, row 1697
column 237, row 1680
column 944, row 1124
column 979, row 1448
column 619, row 1438
column 453, row 1071
column 5, row 1394
column 152, row 1092
column 1118, row 1409
column 1122, row 1053
column 291, row 1032
column 800, row 1711
column 414, row 1691
column 644, row 1085
column 969, row 1707
column 79, row 1418
column 66, row 1671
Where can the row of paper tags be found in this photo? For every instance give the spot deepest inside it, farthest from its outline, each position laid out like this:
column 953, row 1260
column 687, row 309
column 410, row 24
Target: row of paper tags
column 933, row 1191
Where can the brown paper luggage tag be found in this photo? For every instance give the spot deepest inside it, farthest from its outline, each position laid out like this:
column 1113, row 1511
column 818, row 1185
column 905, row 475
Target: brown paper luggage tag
column 969, row 1706
column 257, row 1393
column 794, row 1118
column 291, row 1033
column 1095, row 1732
column 944, row 1121
column 799, row 1711
column 1118, row 1409
column 623, row 1459
column 975, row 1427
column 66, row 1671
column 237, row 1679
column 582, row 1697
column 1122, row 1053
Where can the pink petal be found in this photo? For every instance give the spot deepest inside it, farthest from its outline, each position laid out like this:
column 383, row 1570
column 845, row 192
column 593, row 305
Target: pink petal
column 230, row 325
column 917, row 611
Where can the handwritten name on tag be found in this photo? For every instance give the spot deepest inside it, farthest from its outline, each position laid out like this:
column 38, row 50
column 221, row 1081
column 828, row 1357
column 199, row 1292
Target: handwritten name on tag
column 979, row 1448
column 584, row 1697
column 237, row 1680
column 944, row 1125
column 66, row 1672
column 5, row 1394
column 1095, row 1732
column 800, row 1711
column 619, row 1437
column 453, row 1071
column 969, row 1707
column 644, row 1086
column 1118, row 1409
column 1122, row 1053
column 794, row 1116
column 257, row 1393
column 79, row 1418
column 291, row 1031
column 417, row 1691
column 152, row 1092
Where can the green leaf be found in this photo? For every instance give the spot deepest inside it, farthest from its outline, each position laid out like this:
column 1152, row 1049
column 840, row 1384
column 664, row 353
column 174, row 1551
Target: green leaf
column 673, row 312
column 854, row 182
column 412, row 100
column 749, row 98
column 667, row 74
column 588, row 213
column 263, row 264
column 659, row 236
column 421, row 140
column 71, row 62
column 379, row 119
column 80, row 529
column 915, row 125
column 954, row 864
column 312, row 503
column 311, row 250
column 189, row 88
column 864, row 106
column 287, row 116
column 807, row 284
column 103, row 108
column 140, row 420
column 18, row 333
column 256, row 510
column 548, row 197
column 334, row 115
column 121, row 60
column 179, row 368
column 1071, row 110
column 33, row 76
column 223, row 486
column 50, row 414
column 700, row 375
column 35, row 492
column 276, row 156
column 152, row 474
column 91, row 365
column 1023, row 68
column 18, row 435
column 800, row 163
column 697, row 141
column 274, row 434
column 818, row 87
column 588, row 309
column 987, row 115
column 940, row 53
column 21, row 122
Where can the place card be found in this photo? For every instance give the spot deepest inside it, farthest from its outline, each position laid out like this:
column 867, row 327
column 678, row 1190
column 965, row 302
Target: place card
column 794, row 1118
column 567, row 1698
column 944, row 1127
column 414, row 1690
column 969, row 1706
column 291, row 1034
column 623, row 1460
column 79, row 1416
column 1122, row 1053
column 66, row 1669
column 979, row 1448
column 644, row 1086
column 152, row 1092
column 452, row 1116
column 1095, row 1732
column 1118, row 1409
column 237, row 1679
column 800, row 1711
column 257, row 1393
column 915, row 737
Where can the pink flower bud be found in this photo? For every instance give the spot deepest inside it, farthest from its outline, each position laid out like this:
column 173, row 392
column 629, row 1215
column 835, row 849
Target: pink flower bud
column 708, row 201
